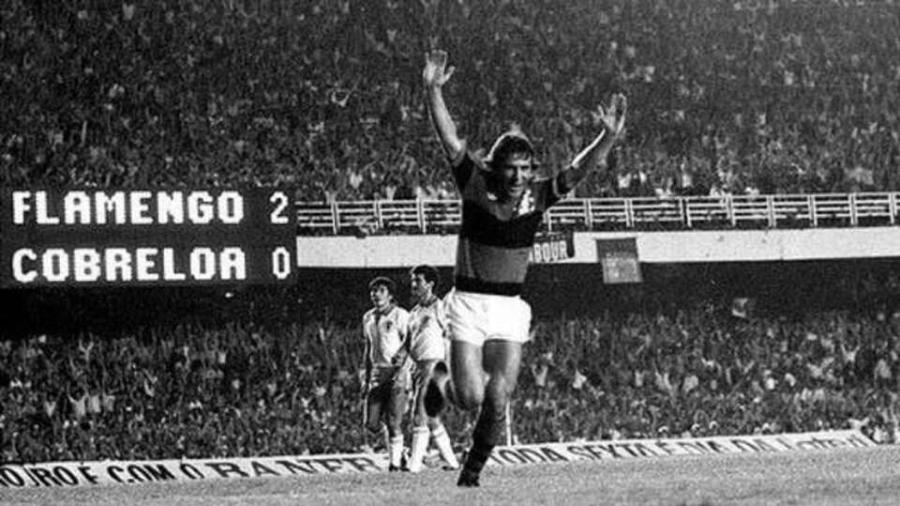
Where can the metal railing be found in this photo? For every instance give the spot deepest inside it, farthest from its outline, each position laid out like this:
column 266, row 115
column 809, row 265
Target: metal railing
column 639, row 213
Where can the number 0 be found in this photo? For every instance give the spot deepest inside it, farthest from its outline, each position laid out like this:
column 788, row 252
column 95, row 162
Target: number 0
column 281, row 262
column 278, row 216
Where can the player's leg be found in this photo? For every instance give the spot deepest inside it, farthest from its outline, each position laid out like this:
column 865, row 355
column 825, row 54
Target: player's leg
column 501, row 360
column 376, row 399
column 396, row 408
column 439, row 435
column 426, row 427
column 468, row 374
column 463, row 385
column 420, row 431
column 467, row 318
column 441, row 440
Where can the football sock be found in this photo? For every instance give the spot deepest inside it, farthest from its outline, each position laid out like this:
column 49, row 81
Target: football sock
column 387, row 438
column 487, row 434
column 442, row 441
column 418, row 446
column 475, row 461
column 395, row 451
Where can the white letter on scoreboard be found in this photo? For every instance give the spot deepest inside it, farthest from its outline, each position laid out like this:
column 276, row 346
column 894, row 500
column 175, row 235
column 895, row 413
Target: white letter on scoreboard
column 77, row 208
column 86, row 264
column 118, row 264
column 200, row 207
column 19, row 271
column 41, row 207
column 563, row 250
column 140, row 209
column 170, row 206
column 169, row 272
column 55, row 265
column 232, row 264
column 231, row 208
column 20, row 206
column 144, row 263
column 103, row 205
column 203, row 264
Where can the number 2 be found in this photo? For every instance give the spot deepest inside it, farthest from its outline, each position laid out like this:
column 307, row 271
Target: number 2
column 278, row 215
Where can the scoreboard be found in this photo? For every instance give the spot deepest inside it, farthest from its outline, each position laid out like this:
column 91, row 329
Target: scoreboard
column 153, row 237
column 620, row 260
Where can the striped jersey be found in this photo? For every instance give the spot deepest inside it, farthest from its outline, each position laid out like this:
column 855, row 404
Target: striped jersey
column 496, row 236
column 385, row 334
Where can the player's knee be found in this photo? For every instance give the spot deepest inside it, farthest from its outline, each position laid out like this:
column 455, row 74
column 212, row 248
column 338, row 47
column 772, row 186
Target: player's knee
column 420, row 420
column 498, row 392
column 494, row 404
column 469, row 397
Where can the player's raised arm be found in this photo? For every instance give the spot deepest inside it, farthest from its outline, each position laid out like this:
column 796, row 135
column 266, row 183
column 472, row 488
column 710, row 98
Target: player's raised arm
column 613, row 119
column 435, row 75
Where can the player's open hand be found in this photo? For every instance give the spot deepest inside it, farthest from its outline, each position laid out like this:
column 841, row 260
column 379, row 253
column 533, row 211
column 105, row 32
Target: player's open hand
column 613, row 117
column 436, row 72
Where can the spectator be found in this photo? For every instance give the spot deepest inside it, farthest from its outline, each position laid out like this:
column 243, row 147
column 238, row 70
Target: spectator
column 770, row 106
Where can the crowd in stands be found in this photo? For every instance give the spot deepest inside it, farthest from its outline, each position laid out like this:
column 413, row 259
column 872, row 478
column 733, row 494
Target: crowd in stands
column 726, row 96
column 197, row 391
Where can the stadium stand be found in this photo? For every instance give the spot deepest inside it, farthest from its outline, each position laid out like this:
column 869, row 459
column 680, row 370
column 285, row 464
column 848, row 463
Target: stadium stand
column 740, row 97
column 231, row 386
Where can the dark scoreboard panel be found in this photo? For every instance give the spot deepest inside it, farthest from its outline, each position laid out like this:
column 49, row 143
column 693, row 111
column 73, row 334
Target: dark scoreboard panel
column 620, row 260
column 109, row 237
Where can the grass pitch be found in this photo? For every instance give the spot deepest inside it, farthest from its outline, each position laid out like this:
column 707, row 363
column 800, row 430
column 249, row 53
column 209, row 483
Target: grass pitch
column 829, row 477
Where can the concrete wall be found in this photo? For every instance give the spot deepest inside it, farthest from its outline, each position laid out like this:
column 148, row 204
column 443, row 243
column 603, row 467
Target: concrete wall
column 653, row 247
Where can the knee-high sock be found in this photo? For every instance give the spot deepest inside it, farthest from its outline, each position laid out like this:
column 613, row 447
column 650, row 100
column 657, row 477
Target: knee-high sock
column 487, row 434
column 395, row 450
column 387, row 438
column 418, row 446
column 442, row 441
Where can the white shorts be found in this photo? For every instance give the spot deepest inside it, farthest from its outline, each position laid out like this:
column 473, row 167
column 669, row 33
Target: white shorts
column 479, row 317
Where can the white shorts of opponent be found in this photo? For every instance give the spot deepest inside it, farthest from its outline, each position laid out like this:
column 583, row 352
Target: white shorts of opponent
column 479, row 317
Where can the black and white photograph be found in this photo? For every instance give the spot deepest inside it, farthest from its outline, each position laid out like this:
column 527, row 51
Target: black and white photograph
column 500, row 252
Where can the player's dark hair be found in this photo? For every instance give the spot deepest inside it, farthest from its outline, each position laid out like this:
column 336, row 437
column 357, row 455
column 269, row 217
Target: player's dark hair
column 508, row 144
column 383, row 281
column 429, row 272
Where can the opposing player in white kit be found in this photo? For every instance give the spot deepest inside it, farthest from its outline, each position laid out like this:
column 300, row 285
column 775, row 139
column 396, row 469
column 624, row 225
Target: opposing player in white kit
column 388, row 368
column 427, row 346
column 503, row 202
